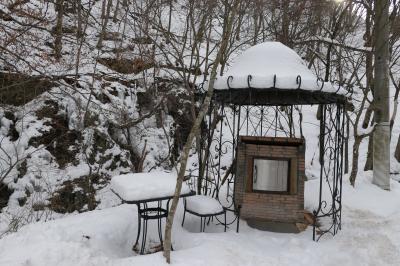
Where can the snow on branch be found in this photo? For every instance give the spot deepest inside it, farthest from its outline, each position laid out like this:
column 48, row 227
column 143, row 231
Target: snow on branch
column 337, row 43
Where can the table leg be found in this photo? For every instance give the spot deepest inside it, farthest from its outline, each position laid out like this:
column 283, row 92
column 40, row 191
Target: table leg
column 144, row 232
column 139, row 226
column 166, row 220
column 144, row 236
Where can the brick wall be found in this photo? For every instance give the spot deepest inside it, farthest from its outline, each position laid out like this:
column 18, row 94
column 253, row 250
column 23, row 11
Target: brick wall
column 286, row 207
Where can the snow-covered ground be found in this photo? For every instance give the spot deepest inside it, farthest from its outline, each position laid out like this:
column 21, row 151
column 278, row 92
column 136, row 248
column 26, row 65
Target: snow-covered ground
column 371, row 227
column 370, row 236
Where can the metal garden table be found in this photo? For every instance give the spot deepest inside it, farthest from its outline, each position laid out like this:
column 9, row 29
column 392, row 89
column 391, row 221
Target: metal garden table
column 146, row 213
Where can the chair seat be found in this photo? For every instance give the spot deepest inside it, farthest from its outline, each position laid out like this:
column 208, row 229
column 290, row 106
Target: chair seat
column 203, row 205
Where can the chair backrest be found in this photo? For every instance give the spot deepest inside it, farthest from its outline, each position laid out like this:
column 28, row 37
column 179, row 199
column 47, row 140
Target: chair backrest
column 206, row 186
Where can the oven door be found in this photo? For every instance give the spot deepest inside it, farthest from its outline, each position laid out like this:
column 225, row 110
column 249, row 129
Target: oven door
column 270, row 175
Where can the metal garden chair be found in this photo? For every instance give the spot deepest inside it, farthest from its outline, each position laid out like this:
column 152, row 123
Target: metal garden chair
column 206, row 206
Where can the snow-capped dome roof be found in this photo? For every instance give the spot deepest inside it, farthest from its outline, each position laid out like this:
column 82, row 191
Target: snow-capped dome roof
column 258, row 66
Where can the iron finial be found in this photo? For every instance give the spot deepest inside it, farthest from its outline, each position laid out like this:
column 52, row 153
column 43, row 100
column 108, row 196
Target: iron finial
column 230, row 78
column 249, row 78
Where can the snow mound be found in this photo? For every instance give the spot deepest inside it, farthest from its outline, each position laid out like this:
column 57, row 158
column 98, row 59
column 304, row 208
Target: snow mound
column 203, row 205
column 141, row 186
column 266, row 60
column 105, row 237
column 90, row 238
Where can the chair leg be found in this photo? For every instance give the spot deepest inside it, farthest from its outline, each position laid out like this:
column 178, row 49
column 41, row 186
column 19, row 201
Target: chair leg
column 160, row 231
column 184, row 211
column 204, row 224
column 184, row 214
column 159, row 223
column 225, row 221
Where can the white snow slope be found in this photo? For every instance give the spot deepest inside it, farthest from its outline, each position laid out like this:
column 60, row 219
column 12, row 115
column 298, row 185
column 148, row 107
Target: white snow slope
column 370, row 236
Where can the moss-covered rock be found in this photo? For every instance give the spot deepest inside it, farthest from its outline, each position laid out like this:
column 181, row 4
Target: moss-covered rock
column 12, row 132
column 22, row 201
column 5, row 193
column 101, row 144
column 78, row 194
column 22, row 168
column 126, row 66
column 59, row 140
column 18, row 89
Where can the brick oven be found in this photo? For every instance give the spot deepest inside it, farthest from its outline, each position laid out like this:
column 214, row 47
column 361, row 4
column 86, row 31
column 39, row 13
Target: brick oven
column 269, row 184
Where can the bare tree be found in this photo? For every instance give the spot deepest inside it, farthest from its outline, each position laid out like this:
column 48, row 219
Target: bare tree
column 381, row 145
column 195, row 130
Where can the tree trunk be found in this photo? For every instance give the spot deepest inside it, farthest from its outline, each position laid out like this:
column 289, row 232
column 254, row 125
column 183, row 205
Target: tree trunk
column 58, row 29
column 169, row 18
column 257, row 19
column 397, row 152
column 395, row 101
column 105, row 17
column 78, row 5
column 194, row 131
column 284, row 36
column 369, row 69
column 369, row 162
column 367, row 117
column 346, row 147
column 115, row 16
column 381, row 136
column 354, row 167
column 395, row 106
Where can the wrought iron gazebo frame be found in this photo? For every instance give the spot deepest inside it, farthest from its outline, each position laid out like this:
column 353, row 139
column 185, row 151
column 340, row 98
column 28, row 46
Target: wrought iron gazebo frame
column 242, row 102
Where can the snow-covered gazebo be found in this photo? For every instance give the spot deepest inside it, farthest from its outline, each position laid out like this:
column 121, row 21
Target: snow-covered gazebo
column 271, row 73
column 258, row 105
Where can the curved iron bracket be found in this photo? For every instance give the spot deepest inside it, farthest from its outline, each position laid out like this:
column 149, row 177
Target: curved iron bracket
column 338, row 89
column 339, row 85
column 298, row 81
column 201, row 87
column 323, row 83
column 350, row 91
